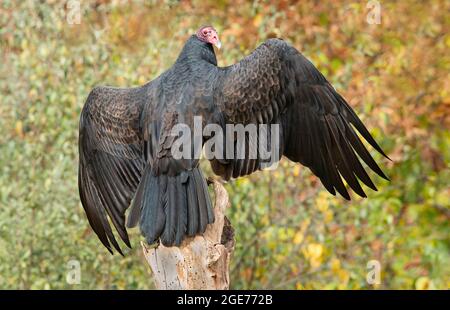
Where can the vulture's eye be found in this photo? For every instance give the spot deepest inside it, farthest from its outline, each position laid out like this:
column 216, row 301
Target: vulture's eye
column 205, row 32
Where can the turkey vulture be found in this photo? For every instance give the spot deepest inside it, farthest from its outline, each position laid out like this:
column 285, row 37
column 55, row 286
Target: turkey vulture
column 126, row 137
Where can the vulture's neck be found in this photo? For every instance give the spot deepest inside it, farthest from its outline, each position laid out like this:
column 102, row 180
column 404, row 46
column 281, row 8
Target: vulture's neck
column 195, row 52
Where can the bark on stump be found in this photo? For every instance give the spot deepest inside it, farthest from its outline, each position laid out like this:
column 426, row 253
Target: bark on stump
column 201, row 262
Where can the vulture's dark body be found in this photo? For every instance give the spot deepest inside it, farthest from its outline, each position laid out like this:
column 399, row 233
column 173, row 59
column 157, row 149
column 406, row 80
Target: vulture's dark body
column 125, row 137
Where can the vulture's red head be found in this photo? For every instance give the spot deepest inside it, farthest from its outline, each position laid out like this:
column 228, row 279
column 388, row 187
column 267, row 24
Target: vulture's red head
column 209, row 35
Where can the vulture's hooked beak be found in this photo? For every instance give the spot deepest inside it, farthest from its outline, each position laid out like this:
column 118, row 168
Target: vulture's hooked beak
column 218, row 44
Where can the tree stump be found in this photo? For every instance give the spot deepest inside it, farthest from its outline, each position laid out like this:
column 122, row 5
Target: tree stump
column 201, row 262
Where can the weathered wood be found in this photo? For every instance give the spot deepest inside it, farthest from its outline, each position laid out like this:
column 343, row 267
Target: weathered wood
column 201, row 262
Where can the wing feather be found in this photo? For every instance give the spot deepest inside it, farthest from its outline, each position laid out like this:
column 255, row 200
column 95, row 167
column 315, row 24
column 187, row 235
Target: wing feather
column 111, row 164
column 277, row 85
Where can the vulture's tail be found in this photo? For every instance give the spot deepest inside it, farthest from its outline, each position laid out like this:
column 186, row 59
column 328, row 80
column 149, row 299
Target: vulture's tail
column 171, row 207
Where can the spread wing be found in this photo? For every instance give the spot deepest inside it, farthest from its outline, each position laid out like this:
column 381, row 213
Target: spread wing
column 111, row 163
column 278, row 85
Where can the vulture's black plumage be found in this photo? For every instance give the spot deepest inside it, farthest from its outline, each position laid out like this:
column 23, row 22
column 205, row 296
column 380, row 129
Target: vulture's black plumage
column 125, row 137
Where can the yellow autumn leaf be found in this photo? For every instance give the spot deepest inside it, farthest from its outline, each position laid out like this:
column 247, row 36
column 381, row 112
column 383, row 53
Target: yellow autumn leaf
column 447, row 41
column 257, row 20
column 294, row 268
column 344, row 276
column 296, row 171
column 280, row 258
column 424, row 283
column 32, row 94
column 328, row 216
column 335, row 265
column 305, row 224
column 282, row 235
column 120, row 80
column 322, row 202
column 242, row 181
column 19, row 129
column 298, row 238
column 265, row 220
column 313, row 252
column 142, row 79
column 442, row 198
column 24, row 44
column 272, row 245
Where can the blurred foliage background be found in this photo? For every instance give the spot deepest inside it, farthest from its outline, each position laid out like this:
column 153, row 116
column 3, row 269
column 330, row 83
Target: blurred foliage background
column 290, row 233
